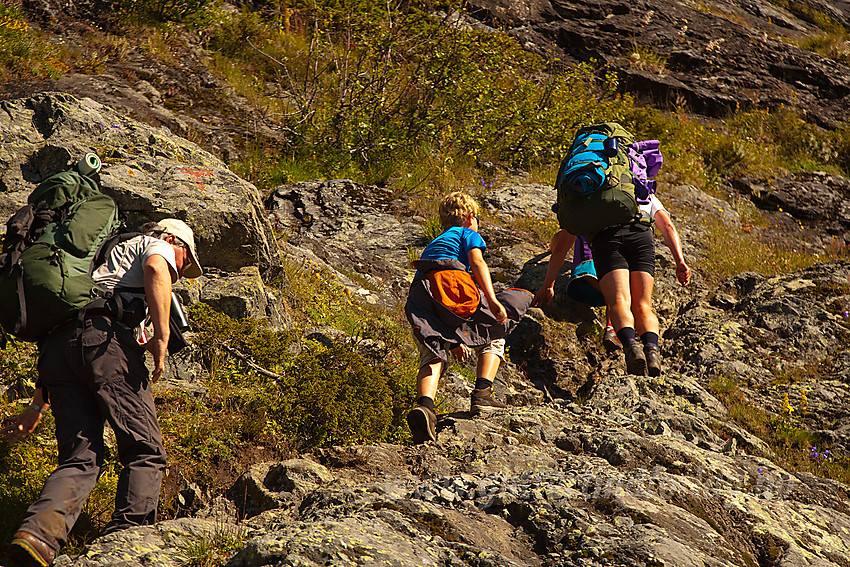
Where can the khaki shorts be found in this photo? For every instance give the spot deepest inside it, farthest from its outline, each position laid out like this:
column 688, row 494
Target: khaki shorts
column 496, row 346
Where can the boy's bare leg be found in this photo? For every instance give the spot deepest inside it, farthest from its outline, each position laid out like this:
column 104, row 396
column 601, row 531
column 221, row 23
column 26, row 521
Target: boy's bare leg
column 428, row 379
column 488, row 365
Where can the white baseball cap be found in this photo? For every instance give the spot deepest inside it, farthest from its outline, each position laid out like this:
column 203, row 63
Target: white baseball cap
column 182, row 231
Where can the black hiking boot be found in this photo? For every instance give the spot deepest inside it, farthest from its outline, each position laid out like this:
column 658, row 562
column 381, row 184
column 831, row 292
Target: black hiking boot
column 653, row 360
column 483, row 401
column 423, row 424
column 635, row 359
column 610, row 341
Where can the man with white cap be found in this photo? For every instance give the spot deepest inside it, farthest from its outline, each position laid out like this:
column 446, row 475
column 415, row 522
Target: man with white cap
column 92, row 371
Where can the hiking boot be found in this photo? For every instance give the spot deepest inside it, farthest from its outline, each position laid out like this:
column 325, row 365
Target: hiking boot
column 653, row 360
column 483, row 400
column 27, row 550
column 423, row 424
column 610, row 340
column 635, row 359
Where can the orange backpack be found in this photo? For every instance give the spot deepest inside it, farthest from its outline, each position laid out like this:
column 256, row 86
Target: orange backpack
column 456, row 290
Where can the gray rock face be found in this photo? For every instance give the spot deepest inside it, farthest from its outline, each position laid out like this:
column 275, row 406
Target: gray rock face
column 713, row 57
column 555, row 484
column 353, row 229
column 149, row 172
column 821, row 201
column 588, row 466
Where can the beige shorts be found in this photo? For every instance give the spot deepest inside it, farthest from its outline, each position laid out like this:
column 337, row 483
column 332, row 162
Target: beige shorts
column 496, row 346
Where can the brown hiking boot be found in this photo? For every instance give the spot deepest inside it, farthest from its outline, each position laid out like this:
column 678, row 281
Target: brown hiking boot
column 483, row 400
column 610, row 340
column 653, row 360
column 423, row 424
column 635, row 359
column 27, row 550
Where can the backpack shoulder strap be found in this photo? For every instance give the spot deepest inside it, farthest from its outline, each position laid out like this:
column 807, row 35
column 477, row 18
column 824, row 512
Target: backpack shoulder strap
column 105, row 249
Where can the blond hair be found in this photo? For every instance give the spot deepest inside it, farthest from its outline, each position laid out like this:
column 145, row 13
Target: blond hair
column 456, row 208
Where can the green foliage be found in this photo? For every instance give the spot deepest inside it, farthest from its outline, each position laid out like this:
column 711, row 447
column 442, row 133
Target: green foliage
column 795, row 447
column 274, row 391
column 18, row 367
column 368, row 96
column 211, row 549
column 336, row 395
column 25, row 51
column 23, row 469
column 731, row 251
column 396, row 96
column 835, row 45
column 432, row 228
column 158, row 11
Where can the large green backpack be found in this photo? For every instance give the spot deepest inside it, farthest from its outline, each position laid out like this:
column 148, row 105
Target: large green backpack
column 594, row 182
column 47, row 252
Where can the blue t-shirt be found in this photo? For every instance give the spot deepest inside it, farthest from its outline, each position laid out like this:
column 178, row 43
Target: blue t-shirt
column 454, row 243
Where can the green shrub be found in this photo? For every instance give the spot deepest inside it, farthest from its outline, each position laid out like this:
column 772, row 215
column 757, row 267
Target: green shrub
column 835, row 45
column 211, row 549
column 302, row 395
column 417, row 103
column 23, row 469
column 366, row 98
column 24, row 50
column 336, row 396
column 162, row 10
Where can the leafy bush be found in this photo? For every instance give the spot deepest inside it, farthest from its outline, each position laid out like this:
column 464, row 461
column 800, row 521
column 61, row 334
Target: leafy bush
column 25, row 51
column 382, row 91
column 397, row 96
column 308, row 394
column 162, row 10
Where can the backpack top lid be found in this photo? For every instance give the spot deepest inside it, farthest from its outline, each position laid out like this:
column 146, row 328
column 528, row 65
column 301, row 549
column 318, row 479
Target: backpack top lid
column 595, row 150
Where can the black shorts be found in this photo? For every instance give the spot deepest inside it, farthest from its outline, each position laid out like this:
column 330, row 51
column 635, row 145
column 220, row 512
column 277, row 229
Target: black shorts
column 625, row 246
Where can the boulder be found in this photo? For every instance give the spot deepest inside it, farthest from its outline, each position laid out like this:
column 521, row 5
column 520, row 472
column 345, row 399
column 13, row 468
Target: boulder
column 149, row 172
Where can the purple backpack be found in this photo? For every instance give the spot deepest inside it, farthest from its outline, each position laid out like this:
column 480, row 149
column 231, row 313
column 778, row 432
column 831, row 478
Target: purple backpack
column 645, row 160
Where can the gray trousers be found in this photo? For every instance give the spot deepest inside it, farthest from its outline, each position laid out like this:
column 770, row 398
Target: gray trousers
column 95, row 373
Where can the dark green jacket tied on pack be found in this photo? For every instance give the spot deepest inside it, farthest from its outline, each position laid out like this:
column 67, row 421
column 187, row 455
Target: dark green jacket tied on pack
column 439, row 328
column 47, row 252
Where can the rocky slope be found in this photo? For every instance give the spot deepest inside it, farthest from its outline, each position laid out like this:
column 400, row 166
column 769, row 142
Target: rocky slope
column 588, row 467
column 711, row 57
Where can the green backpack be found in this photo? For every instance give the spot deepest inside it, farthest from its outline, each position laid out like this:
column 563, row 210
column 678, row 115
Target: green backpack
column 47, row 252
column 594, row 182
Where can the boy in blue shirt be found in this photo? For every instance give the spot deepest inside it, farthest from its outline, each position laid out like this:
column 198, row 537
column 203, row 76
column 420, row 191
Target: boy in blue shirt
column 448, row 312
